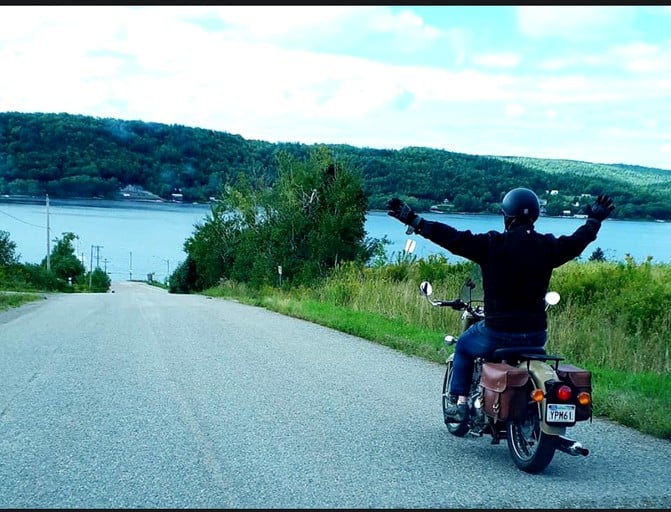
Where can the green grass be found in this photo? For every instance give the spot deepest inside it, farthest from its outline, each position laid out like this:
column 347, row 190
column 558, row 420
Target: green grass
column 640, row 400
column 15, row 299
column 395, row 333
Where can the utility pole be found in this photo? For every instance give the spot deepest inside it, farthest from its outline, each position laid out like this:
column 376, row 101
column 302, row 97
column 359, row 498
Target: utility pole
column 167, row 262
column 91, row 269
column 48, row 237
column 98, row 247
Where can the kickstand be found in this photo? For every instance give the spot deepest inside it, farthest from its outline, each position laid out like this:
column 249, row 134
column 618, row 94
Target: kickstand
column 496, row 438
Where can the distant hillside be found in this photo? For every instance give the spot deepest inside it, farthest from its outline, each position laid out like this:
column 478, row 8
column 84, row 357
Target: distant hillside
column 75, row 156
column 634, row 174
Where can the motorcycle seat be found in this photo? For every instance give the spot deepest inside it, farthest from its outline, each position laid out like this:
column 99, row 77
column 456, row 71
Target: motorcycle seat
column 515, row 352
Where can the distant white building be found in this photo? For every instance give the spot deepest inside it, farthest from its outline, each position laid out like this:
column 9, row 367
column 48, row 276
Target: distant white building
column 138, row 193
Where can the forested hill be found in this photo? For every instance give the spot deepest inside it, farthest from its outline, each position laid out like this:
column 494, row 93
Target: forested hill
column 69, row 156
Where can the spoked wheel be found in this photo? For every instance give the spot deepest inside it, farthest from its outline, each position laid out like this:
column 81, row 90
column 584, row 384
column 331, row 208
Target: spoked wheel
column 530, row 448
column 457, row 429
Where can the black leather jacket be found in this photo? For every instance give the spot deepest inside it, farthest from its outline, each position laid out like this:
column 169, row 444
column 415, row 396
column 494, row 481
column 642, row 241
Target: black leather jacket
column 516, row 267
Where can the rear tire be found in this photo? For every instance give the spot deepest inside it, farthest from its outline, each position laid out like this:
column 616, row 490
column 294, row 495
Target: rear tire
column 530, row 448
column 456, row 429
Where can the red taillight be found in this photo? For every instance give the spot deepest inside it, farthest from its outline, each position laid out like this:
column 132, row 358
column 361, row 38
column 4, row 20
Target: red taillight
column 564, row 393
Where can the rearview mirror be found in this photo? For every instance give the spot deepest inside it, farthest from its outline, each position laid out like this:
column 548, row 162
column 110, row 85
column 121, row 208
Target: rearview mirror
column 552, row 298
column 426, row 288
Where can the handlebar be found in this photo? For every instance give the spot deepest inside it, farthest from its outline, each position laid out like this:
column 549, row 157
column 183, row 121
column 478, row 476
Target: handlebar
column 551, row 298
column 456, row 304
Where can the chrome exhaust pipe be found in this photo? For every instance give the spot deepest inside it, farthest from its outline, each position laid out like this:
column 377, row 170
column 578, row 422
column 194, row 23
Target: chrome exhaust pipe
column 571, row 447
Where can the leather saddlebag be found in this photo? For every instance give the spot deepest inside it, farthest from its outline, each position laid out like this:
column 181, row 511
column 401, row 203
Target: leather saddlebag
column 504, row 393
column 581, row 380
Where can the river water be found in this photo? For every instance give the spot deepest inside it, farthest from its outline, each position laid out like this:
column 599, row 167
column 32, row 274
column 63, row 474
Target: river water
column 129, row 240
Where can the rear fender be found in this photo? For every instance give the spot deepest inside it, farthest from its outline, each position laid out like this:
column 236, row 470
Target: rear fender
column 541, row 372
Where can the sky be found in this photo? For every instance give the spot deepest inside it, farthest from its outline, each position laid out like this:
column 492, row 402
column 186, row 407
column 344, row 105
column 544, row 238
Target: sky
column 581, row 83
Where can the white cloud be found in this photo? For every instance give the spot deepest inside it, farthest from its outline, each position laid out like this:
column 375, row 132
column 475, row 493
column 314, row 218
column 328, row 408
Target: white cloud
column 405, row 21
column 551, row 114
column 573, row 61
column 264, row 22
column 514, row 110
column 498, row 60
column 639, row 57
column 569, row 21
column 263, row 72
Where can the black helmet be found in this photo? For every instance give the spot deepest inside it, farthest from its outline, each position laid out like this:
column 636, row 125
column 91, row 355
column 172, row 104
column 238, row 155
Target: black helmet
column 521, row 203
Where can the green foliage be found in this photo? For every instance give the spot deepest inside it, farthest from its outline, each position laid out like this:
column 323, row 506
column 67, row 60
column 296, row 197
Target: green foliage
column 184, row 277
column 25, row 277
column 79, row 156
column 624, row 313
column 309, row 221
column 100, row 281
column 570, row 169
column 7, row 250
column 16, row 299
column 597, row 255
column 63, row 260
column 436, row 268
column 639, row 400
column 31, row 277
column 66, row 273
column 378, row 252
column 399, row 269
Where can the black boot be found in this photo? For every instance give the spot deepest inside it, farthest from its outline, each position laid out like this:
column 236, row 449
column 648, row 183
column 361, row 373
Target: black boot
column 456, row 413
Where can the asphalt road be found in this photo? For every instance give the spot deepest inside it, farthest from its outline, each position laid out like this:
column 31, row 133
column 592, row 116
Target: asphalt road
column 143, row 399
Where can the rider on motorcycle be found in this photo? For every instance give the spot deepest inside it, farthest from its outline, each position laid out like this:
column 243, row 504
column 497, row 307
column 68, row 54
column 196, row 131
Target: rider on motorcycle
column 516, row 267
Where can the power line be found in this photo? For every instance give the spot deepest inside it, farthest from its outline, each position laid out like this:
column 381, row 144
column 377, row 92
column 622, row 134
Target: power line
column 23, row 221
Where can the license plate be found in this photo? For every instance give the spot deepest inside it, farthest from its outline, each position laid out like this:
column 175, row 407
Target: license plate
column 560, row 413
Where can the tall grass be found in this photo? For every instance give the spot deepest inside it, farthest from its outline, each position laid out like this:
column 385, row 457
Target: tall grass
column 15, row 299
column 612, row 315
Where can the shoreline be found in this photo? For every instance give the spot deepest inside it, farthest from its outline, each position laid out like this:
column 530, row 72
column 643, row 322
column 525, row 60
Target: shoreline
column 151, row 203
column 96, row 202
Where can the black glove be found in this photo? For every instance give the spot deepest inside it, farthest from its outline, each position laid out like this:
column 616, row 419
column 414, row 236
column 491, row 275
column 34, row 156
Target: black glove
column 600, row 209
column 401, row 211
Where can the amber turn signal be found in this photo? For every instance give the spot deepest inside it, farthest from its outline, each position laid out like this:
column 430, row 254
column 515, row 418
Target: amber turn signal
column 584, row 398
column 537, row 395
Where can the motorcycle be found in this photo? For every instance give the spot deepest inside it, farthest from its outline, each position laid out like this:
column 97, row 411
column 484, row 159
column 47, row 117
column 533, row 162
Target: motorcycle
column 521, row 394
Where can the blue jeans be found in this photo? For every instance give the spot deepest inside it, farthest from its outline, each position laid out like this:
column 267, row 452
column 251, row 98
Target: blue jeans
column 479, row 341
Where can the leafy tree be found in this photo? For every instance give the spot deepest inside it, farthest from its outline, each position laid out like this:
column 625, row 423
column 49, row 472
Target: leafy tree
column 100, row 281
column 318, row 215
column 210, row 250
column 310, row 220
column 31, row 276
column 183, row 278
column 7, row 250
column 63, row 260
column 597, row 255
column 555, row 206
